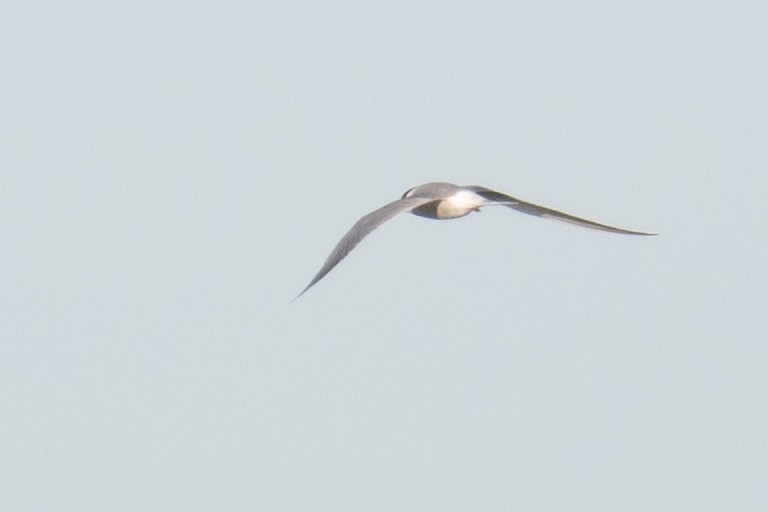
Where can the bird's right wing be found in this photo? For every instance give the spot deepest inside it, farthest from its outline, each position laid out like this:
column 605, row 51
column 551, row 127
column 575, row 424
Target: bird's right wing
column 363, row 228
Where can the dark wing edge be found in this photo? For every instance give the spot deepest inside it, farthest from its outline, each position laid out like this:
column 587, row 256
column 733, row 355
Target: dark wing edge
column 548, row 213
column 360, row 230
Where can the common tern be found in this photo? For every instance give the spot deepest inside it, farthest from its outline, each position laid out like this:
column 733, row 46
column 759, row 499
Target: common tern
column 445, row 201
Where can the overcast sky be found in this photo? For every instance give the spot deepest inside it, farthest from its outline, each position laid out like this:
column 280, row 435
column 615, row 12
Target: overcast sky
column 173, row 174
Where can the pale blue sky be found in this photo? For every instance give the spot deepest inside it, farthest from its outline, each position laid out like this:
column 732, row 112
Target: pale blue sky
column 171, row 176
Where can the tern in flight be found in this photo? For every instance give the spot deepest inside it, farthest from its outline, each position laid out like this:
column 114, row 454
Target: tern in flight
column 445, row 201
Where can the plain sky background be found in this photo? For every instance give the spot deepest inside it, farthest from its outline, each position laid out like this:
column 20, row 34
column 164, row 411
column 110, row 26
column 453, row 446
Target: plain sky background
column 172, row 174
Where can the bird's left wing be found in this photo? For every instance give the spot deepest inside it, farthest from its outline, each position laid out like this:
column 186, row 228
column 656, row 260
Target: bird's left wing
column 547, row 213
column 363, row 228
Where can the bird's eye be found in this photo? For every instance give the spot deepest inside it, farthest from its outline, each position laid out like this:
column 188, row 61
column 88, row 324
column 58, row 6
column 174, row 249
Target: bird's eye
column 407, row 193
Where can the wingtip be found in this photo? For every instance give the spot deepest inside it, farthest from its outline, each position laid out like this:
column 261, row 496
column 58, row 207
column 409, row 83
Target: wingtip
column 306, row 288
column 299, row 295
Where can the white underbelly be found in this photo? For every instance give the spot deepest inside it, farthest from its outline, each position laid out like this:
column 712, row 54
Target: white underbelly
column 459, row 204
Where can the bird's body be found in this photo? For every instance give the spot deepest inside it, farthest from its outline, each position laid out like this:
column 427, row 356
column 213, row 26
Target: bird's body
column 445, row 201
column 455, row 201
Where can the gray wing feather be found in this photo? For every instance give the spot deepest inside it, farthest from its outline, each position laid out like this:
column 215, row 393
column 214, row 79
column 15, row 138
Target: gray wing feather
column 363, row 228
column 548, row 213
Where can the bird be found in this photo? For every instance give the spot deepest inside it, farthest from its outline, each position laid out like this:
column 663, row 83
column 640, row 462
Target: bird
column 443, row 201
